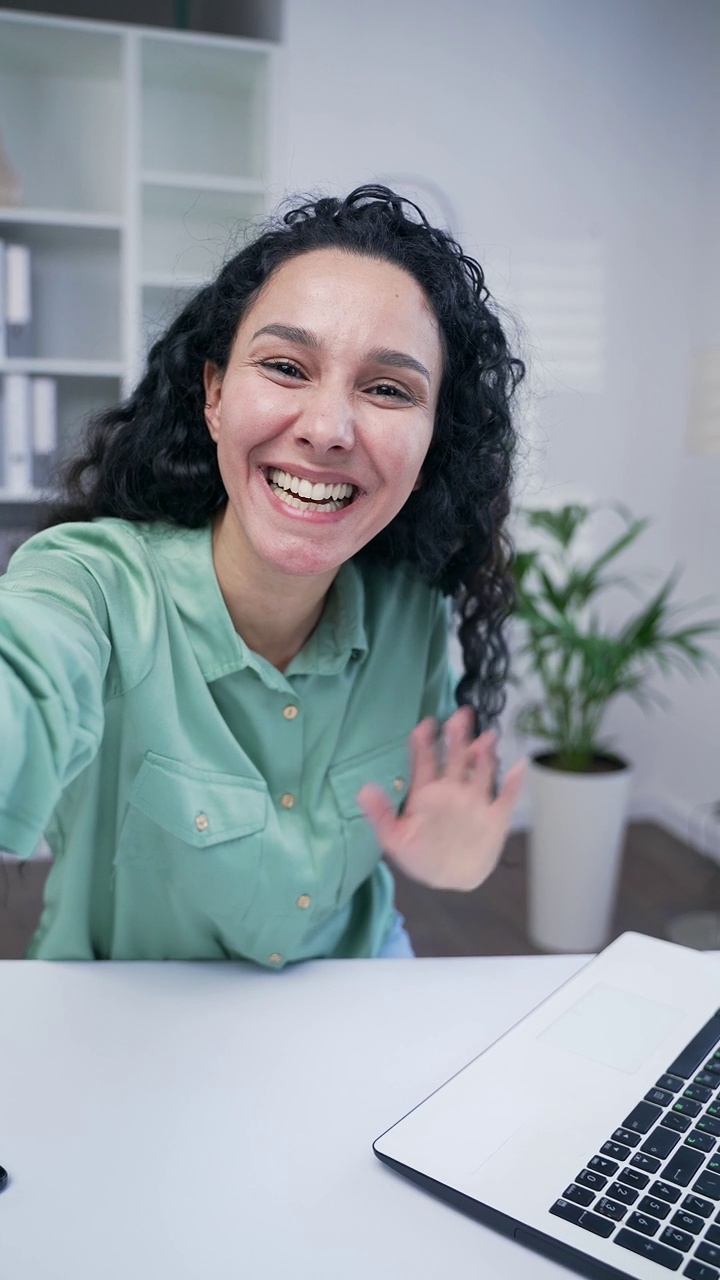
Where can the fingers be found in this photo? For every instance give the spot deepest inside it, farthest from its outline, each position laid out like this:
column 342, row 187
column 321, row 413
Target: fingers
column 482, row 763
column 423, row 753
column 511, row 789
column 458, row 736
column 378, row 810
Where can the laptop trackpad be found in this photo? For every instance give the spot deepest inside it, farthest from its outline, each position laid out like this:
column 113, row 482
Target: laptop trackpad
column 616, row 1028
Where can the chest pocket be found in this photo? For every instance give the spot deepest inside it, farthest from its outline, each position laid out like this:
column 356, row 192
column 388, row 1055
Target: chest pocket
column 197, row 831
column 388, row 767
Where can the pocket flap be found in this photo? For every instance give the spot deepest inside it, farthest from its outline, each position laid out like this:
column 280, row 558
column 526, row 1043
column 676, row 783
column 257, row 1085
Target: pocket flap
column 387, row 766
column 199, row 806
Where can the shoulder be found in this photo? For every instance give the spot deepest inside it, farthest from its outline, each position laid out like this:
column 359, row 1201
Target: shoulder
column 103, row 573
column 107, row 550
column 398, row 599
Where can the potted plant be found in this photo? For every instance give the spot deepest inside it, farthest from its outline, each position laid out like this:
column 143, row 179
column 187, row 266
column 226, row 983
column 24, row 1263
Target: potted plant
column 579, row 783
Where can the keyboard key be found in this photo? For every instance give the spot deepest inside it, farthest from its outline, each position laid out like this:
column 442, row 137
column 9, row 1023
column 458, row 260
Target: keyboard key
column 611, row 1209
column 700, row 1271
column 713, row 1164
column 643, row 1161
column 686, row 1107
column 707, row 1252
column 683, row 1166
column 678, row 1239
column 697, row 1092
column 579, row 1195
column 616, row 1150
column 586, row 1178
column 673, row 1083
column 642, row 1118
column 687, row 1221
column 713, row 1235
column 660, row 1142
column 601, row 1165
column 564, row 1209
column 661, row 1097
column 652, row 1249
column 712, row 1067
column 679, row 1123
column 664, row 1191
column 713, row 1109
column 687, row 1062
column 593, row 1222
column 583, row 1218
column 641, row 1222
column 701, row 1141
column 619, row 1191
column 627, row 1136
column 708, row 1184
column 694, row 1204
column 709, row 1124
column 650, row 1204
column 704, row 1078
column 634, row 1178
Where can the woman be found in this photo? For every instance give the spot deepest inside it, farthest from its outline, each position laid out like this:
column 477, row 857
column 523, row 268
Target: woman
column 214, row 666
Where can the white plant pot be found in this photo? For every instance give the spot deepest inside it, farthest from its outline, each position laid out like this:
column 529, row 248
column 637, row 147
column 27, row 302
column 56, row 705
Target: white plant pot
column 575, row 848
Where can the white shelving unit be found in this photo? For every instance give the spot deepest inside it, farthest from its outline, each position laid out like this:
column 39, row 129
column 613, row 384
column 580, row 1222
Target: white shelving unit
column 141, row 155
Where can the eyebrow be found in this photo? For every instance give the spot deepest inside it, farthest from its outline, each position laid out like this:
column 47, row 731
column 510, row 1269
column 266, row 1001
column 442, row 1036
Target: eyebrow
column 378, row 355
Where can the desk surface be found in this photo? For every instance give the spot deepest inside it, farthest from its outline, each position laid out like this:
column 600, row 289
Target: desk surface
column 185, row 1121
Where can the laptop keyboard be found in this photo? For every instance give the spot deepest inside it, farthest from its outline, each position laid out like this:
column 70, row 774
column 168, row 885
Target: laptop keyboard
column 654, row 1186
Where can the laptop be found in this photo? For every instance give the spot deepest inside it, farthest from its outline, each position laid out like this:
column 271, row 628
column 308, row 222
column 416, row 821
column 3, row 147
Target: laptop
column 590, row 1131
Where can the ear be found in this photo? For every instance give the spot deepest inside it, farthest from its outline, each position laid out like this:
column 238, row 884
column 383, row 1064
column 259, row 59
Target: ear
column 212, row 382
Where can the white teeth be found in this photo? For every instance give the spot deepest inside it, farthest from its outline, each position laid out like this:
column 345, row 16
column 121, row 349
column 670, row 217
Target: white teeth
column 292, row 501
column 317, row 493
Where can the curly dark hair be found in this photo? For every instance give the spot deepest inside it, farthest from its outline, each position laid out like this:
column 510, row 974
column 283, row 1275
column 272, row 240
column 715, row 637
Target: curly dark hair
column 152, row 457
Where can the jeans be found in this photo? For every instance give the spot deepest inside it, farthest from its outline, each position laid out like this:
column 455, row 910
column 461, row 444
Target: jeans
column 398, row 945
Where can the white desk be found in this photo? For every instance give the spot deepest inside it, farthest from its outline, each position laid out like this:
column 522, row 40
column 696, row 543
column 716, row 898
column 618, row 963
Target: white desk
column 199, row 1121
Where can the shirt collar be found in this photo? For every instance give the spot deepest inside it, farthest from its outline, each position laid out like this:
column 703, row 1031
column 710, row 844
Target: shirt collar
column 186, row 562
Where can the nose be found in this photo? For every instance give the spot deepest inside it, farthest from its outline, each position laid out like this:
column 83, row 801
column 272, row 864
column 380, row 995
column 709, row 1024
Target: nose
column 327, row 422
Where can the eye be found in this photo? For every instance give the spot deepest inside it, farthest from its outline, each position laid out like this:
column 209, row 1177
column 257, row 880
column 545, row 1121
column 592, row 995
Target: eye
column 284, row 367
column 388, row 390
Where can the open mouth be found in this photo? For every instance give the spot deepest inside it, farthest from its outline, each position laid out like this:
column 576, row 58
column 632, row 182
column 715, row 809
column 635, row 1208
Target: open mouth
column 306, row 496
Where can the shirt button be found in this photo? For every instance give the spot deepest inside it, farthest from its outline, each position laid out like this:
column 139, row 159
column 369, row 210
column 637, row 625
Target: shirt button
column 398, row 784
column 303, row 901
column 275, row 958
column 290, row 712
column 287, row 800
column 202, row 822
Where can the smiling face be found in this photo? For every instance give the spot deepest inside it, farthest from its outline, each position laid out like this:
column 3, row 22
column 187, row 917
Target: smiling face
column 324, row 414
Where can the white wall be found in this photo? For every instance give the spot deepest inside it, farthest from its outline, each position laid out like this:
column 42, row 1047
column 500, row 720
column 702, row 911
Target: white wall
column 568, row 144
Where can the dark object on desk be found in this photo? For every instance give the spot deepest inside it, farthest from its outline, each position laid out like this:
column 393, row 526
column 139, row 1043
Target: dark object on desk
column 3, row 1178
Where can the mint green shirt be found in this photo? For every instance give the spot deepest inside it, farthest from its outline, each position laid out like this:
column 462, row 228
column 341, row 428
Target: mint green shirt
column 199, row 803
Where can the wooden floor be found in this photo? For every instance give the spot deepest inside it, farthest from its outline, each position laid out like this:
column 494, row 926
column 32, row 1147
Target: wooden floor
column 660, row 879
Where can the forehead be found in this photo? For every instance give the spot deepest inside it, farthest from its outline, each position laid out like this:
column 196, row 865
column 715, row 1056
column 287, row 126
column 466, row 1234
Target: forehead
column 329, row 289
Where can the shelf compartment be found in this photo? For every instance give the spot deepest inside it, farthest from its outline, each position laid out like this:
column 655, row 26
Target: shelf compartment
column 203, row 108
column 187, row 233
column 77, row 399
column 75, row 271
column 61, row 99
